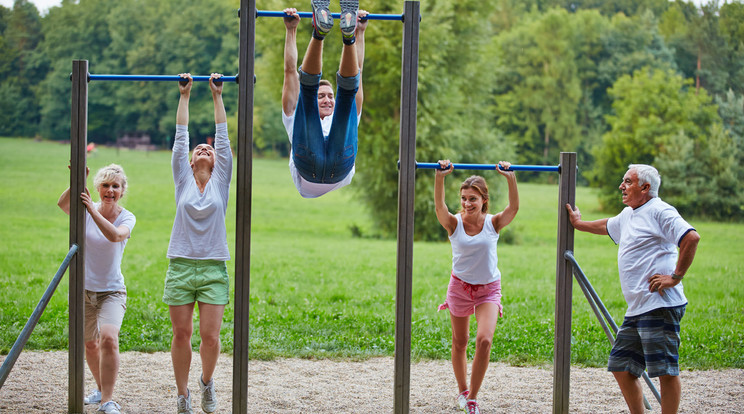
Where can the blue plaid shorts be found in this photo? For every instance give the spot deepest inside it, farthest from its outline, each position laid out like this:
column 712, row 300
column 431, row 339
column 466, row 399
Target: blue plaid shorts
column 648, row 341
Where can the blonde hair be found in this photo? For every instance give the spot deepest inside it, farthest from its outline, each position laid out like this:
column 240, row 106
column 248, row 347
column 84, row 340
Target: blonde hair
column 110, row 173
column 477, row 183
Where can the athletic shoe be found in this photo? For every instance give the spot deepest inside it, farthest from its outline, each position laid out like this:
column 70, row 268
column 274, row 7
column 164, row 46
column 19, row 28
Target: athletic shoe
column 208, row 397
column 462, row 399
column 472, row 407
column 94, row 397
column 322, row 18
column 109, row 407
column 348, row 22
column 184, row 404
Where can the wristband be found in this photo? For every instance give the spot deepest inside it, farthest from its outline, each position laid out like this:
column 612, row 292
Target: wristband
column 676, row 276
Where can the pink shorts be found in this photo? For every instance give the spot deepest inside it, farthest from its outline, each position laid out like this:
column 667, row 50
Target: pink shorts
column 463, row 298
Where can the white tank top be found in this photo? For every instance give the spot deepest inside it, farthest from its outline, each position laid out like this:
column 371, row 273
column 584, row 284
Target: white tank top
column 474, row 258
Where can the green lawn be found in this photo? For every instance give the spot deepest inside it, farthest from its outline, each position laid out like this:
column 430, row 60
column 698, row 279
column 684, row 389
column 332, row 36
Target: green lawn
column 318, row 292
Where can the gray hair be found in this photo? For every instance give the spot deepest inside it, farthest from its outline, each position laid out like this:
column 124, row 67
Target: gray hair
column 647, row 175
column 111, row 173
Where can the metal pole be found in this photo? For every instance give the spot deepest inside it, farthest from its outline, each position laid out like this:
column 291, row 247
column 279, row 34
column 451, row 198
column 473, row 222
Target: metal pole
column 563, row 285
column 78, row 142
column 15, row 351
column 243, row 207
column 435, row 166
column 158, row 78
column 406, row 193
column 600, row 310
column 307, row 15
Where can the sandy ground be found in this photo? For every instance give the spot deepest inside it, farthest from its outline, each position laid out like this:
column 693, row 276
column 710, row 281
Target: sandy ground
column 38, row 384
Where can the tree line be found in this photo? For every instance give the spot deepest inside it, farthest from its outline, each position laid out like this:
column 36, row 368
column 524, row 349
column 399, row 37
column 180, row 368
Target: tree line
column 617, row 81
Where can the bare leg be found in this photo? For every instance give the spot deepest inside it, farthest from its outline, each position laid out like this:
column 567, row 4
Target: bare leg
column 486, row 315
column 183, row 327
column 93, row 357
column 312, row 62
column 671, row 393
column 349, row 65
column 632, row 392
column 460, row 336
column 210, row 322
column 109, row 366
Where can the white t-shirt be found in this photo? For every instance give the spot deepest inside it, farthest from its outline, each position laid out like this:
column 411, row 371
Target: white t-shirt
column 199, row 227
column 103, row 257
column 648, row 237
column 306, row 188
column 474, row 258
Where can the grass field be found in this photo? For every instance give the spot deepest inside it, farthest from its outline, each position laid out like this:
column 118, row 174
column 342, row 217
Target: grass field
column 319, row 292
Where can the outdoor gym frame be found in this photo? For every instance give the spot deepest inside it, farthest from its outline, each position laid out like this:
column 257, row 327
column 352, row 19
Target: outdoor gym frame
column 244, row 160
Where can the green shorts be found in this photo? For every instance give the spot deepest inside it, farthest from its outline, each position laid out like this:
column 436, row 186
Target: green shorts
column 190, row 280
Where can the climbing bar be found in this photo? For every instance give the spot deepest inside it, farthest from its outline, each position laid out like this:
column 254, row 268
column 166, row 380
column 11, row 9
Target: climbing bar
column 435, row 166
column 262, row 13
column 172, row 78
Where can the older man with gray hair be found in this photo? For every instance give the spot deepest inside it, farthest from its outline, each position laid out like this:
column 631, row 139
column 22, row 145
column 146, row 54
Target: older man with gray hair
column 648, row 232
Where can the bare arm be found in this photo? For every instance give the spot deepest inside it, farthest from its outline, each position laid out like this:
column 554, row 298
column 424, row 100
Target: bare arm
column 595, row 227
column 291, row 87
column 182, row 114
column 687, row 250
column 64, row 201
column 112, row 233
column 361, row 27
column 502, row 219
column 446, row 219
column 219, row 107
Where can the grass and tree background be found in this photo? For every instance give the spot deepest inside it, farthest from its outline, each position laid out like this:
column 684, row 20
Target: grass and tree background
column 617, row 81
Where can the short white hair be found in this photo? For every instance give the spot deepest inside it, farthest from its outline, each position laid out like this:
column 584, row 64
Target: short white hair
column 109, row 174
column 647, row 175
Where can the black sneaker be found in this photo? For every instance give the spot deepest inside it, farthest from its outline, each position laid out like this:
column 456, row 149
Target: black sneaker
column 322, row 18
column 348, row 23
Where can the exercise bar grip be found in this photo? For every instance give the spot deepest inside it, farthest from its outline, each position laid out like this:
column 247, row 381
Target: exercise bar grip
column 173, row 78
column 435, row 166
column 263, row 13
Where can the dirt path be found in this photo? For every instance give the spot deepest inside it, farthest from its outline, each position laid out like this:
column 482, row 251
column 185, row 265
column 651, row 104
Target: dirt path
column 38, row 384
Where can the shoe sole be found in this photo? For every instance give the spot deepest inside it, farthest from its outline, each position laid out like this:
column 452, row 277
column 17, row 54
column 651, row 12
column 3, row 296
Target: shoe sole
column 322, row 18
column 348, row 17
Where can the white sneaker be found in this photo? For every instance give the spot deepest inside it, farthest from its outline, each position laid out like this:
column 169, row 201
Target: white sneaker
column 462, row 399
column 93, row 398
column 208, row 396
column 184, row 404
column 110, row 407
column 472, row 407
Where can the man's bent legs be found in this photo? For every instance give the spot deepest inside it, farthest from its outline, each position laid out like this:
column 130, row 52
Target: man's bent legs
column 308, row 144
column 342, row 147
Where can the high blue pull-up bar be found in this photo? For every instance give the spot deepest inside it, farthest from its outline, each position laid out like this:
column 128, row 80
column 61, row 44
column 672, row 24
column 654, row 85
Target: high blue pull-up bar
column 435, row 166
column 263, row 13
column 172, row 78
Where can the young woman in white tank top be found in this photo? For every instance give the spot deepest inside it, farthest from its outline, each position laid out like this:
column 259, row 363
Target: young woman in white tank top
column 475, row 283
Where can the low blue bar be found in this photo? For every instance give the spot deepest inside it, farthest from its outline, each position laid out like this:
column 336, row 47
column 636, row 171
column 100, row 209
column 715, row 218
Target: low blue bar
column 435, row 166
column 263, row 13
column 172, row 78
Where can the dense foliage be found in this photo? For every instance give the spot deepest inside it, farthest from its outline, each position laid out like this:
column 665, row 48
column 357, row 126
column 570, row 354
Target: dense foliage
column 617, row 81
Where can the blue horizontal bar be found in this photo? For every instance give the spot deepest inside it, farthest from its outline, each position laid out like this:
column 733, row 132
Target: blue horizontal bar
column 435, row 166
column 263, row 13
column 174, row 78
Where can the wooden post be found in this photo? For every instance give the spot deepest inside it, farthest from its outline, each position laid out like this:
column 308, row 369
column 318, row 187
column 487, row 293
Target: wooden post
column 243, row 206
column 563, row 286
column 78, row 142
column 406, row 192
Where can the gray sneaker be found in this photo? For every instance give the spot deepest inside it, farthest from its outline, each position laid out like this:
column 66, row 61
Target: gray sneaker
column 109, row 407
column 93, row 398
column 208, row 396
column 348, row 21
column 184, row 404
column 322, row 18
